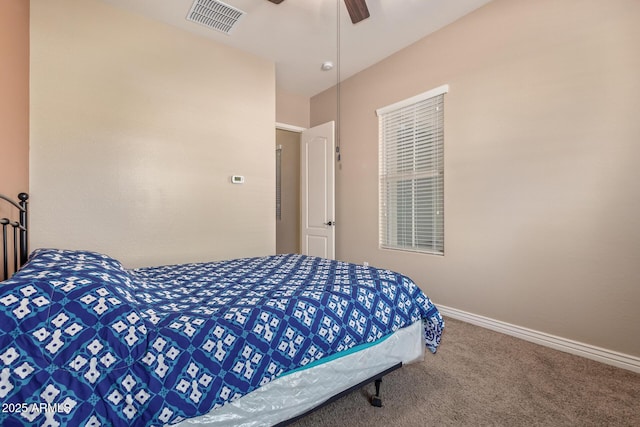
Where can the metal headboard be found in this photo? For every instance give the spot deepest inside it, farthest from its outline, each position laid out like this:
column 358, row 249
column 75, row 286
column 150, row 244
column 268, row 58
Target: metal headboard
column 14, row 236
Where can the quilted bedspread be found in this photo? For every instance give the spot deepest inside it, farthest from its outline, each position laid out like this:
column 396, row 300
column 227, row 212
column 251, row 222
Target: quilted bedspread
column 84, row 341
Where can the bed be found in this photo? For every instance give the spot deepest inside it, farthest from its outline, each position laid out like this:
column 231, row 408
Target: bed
column 253, row 341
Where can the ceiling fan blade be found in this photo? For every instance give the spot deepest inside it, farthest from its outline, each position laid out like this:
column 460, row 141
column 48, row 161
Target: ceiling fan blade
column 358, row 10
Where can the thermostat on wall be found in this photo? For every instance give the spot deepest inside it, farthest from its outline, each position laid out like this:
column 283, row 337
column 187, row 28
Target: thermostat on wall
column 237, row 179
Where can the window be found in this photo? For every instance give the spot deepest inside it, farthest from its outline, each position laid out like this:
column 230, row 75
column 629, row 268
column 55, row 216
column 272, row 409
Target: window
column 412, row 173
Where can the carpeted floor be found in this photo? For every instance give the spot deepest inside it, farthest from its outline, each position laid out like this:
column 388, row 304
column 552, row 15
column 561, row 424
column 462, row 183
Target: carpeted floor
column 480, row 377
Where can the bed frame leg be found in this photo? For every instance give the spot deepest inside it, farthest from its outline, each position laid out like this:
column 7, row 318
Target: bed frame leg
column 376, row 400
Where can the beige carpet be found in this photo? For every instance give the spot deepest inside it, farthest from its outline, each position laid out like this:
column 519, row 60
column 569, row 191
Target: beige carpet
column 480, row 378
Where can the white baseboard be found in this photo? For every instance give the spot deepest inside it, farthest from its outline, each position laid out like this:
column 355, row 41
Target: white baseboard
column 599, row 354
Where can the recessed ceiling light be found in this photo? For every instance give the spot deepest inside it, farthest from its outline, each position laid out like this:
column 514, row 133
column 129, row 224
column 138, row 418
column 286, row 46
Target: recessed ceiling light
column 326, row 66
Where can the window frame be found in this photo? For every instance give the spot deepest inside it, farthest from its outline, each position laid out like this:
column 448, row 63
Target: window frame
column 386, row 155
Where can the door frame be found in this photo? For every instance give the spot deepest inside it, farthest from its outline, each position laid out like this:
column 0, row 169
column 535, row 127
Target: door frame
column 286, row 245
column 290, row 128
column 299, row 129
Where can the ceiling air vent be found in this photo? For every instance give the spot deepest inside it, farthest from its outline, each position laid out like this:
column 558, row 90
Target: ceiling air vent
column 214, row 14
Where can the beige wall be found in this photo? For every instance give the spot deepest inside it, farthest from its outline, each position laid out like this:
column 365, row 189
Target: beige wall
column 542, row 141
column 14, row 98
column 288, row 227
column 136, row 129
column 292, row 109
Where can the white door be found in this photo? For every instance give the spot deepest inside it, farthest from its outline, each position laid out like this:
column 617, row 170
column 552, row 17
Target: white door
column 317, row 191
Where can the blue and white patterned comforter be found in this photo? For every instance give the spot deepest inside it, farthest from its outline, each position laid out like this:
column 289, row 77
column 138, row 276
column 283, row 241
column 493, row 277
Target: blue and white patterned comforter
column 84, row 341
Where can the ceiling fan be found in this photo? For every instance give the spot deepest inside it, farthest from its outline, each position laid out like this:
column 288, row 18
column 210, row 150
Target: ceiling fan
column 358, row 10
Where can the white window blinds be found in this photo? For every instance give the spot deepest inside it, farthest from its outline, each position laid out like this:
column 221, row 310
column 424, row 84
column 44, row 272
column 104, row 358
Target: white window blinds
column 411, row 171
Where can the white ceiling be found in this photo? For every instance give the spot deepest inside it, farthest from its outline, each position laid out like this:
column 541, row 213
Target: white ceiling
column 299, row 35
